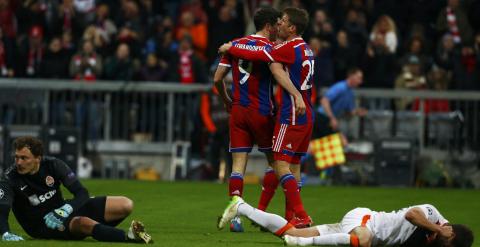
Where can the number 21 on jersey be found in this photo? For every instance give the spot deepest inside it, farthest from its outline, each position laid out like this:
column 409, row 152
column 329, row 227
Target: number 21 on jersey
column 306, row 83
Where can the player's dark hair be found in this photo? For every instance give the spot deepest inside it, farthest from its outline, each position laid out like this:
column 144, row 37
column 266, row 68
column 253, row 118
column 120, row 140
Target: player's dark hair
column 352, row 71
column 264, row 16
column 298, row 18
column 33, row 144
column 463, row 236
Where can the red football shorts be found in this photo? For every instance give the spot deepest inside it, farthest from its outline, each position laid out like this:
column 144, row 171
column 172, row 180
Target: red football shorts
column 248, row 126
column 290, row 142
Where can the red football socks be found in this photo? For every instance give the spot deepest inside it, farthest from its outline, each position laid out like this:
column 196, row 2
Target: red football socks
column 235, row 184
column 270, row 184
column 292, row 195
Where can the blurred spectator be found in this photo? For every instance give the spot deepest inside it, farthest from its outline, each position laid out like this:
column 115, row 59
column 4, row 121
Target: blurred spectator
column 161, row 39
column 280, row 5
column 466, row 71
column 120, row 67
column 29, row 13
column 154, row 69
column 86, row 64
column 68, row 19
column 8, row 33
column 197, row 31
column 151, row 12
column 438, row 79
column 385, row 28
column 31, row 53
column 52, row 21
column 343, row 57
column 68, row 45
column 187, row 67
column 411, row 77
column 396, row 11
column 130, row 28
column 355, row 27
column 379, row 64
column 237, row 10
column 323, row 67
column 453, row 20
column 6, row 69
column 416, row 47
column 445, row 52
column 85, row 10
column 93, row 35
column 424, row 13
column 55, row 63
column 197, row 9
column 105, row 26
column 223, row 27
column 321, row 26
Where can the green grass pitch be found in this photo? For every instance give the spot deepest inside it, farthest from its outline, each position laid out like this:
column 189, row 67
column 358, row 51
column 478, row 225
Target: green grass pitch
column 185, row 213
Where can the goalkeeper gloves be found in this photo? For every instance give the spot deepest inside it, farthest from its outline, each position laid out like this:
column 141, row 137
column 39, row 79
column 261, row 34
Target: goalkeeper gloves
column 8, row 236
column 54, row 220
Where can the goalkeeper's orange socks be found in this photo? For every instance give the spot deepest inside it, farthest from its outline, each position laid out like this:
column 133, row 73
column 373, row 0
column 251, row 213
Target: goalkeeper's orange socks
column 269, row 185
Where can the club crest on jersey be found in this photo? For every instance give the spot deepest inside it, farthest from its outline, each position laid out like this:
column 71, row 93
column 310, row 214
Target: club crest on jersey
column 49, row 181
column 1, row 193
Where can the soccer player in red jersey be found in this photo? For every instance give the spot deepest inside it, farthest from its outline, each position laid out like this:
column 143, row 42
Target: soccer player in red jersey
column 292, row 132
column 251, row 103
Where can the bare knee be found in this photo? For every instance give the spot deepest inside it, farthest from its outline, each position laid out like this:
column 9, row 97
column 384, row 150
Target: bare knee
column 82, row 226
column 364, row 242
column 363, row 235
column 127, row 205
column 282, row 168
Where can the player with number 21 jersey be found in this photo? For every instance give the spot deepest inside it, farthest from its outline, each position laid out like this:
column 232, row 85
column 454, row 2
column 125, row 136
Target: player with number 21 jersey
column 297, row 59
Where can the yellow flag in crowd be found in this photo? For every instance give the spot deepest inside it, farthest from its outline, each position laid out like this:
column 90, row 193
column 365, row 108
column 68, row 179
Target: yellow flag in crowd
column 327, row 151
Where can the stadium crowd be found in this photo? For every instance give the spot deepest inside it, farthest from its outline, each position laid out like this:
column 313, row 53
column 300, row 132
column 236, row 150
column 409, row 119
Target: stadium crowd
column 413, row 44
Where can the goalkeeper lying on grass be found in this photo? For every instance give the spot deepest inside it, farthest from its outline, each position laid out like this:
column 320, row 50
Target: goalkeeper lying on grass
column 31, row 188
column 420, row 225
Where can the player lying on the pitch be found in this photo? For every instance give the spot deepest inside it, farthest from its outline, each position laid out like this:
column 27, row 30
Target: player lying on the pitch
column 420, row 225
column 31, row 188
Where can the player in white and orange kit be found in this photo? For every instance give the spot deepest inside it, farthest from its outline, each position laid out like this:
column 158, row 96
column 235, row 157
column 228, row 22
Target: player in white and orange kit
column 420, row 225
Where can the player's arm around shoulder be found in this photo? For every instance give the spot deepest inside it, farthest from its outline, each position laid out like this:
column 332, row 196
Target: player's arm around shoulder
column 283, row 79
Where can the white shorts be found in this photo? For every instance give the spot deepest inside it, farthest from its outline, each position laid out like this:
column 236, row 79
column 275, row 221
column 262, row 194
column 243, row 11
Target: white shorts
column 351, row 220
column 354, row 218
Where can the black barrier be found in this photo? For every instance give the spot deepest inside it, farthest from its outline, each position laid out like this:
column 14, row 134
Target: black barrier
column 394, row 162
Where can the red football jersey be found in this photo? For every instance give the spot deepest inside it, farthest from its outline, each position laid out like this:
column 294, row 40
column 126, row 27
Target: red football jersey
column 252, row 80
column 298, row 61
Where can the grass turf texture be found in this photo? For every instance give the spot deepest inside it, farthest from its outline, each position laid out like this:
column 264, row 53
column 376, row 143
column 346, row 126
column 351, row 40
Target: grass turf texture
column 185, row 214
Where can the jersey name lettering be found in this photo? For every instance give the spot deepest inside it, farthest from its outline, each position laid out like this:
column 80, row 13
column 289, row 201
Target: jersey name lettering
column 250, row 47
